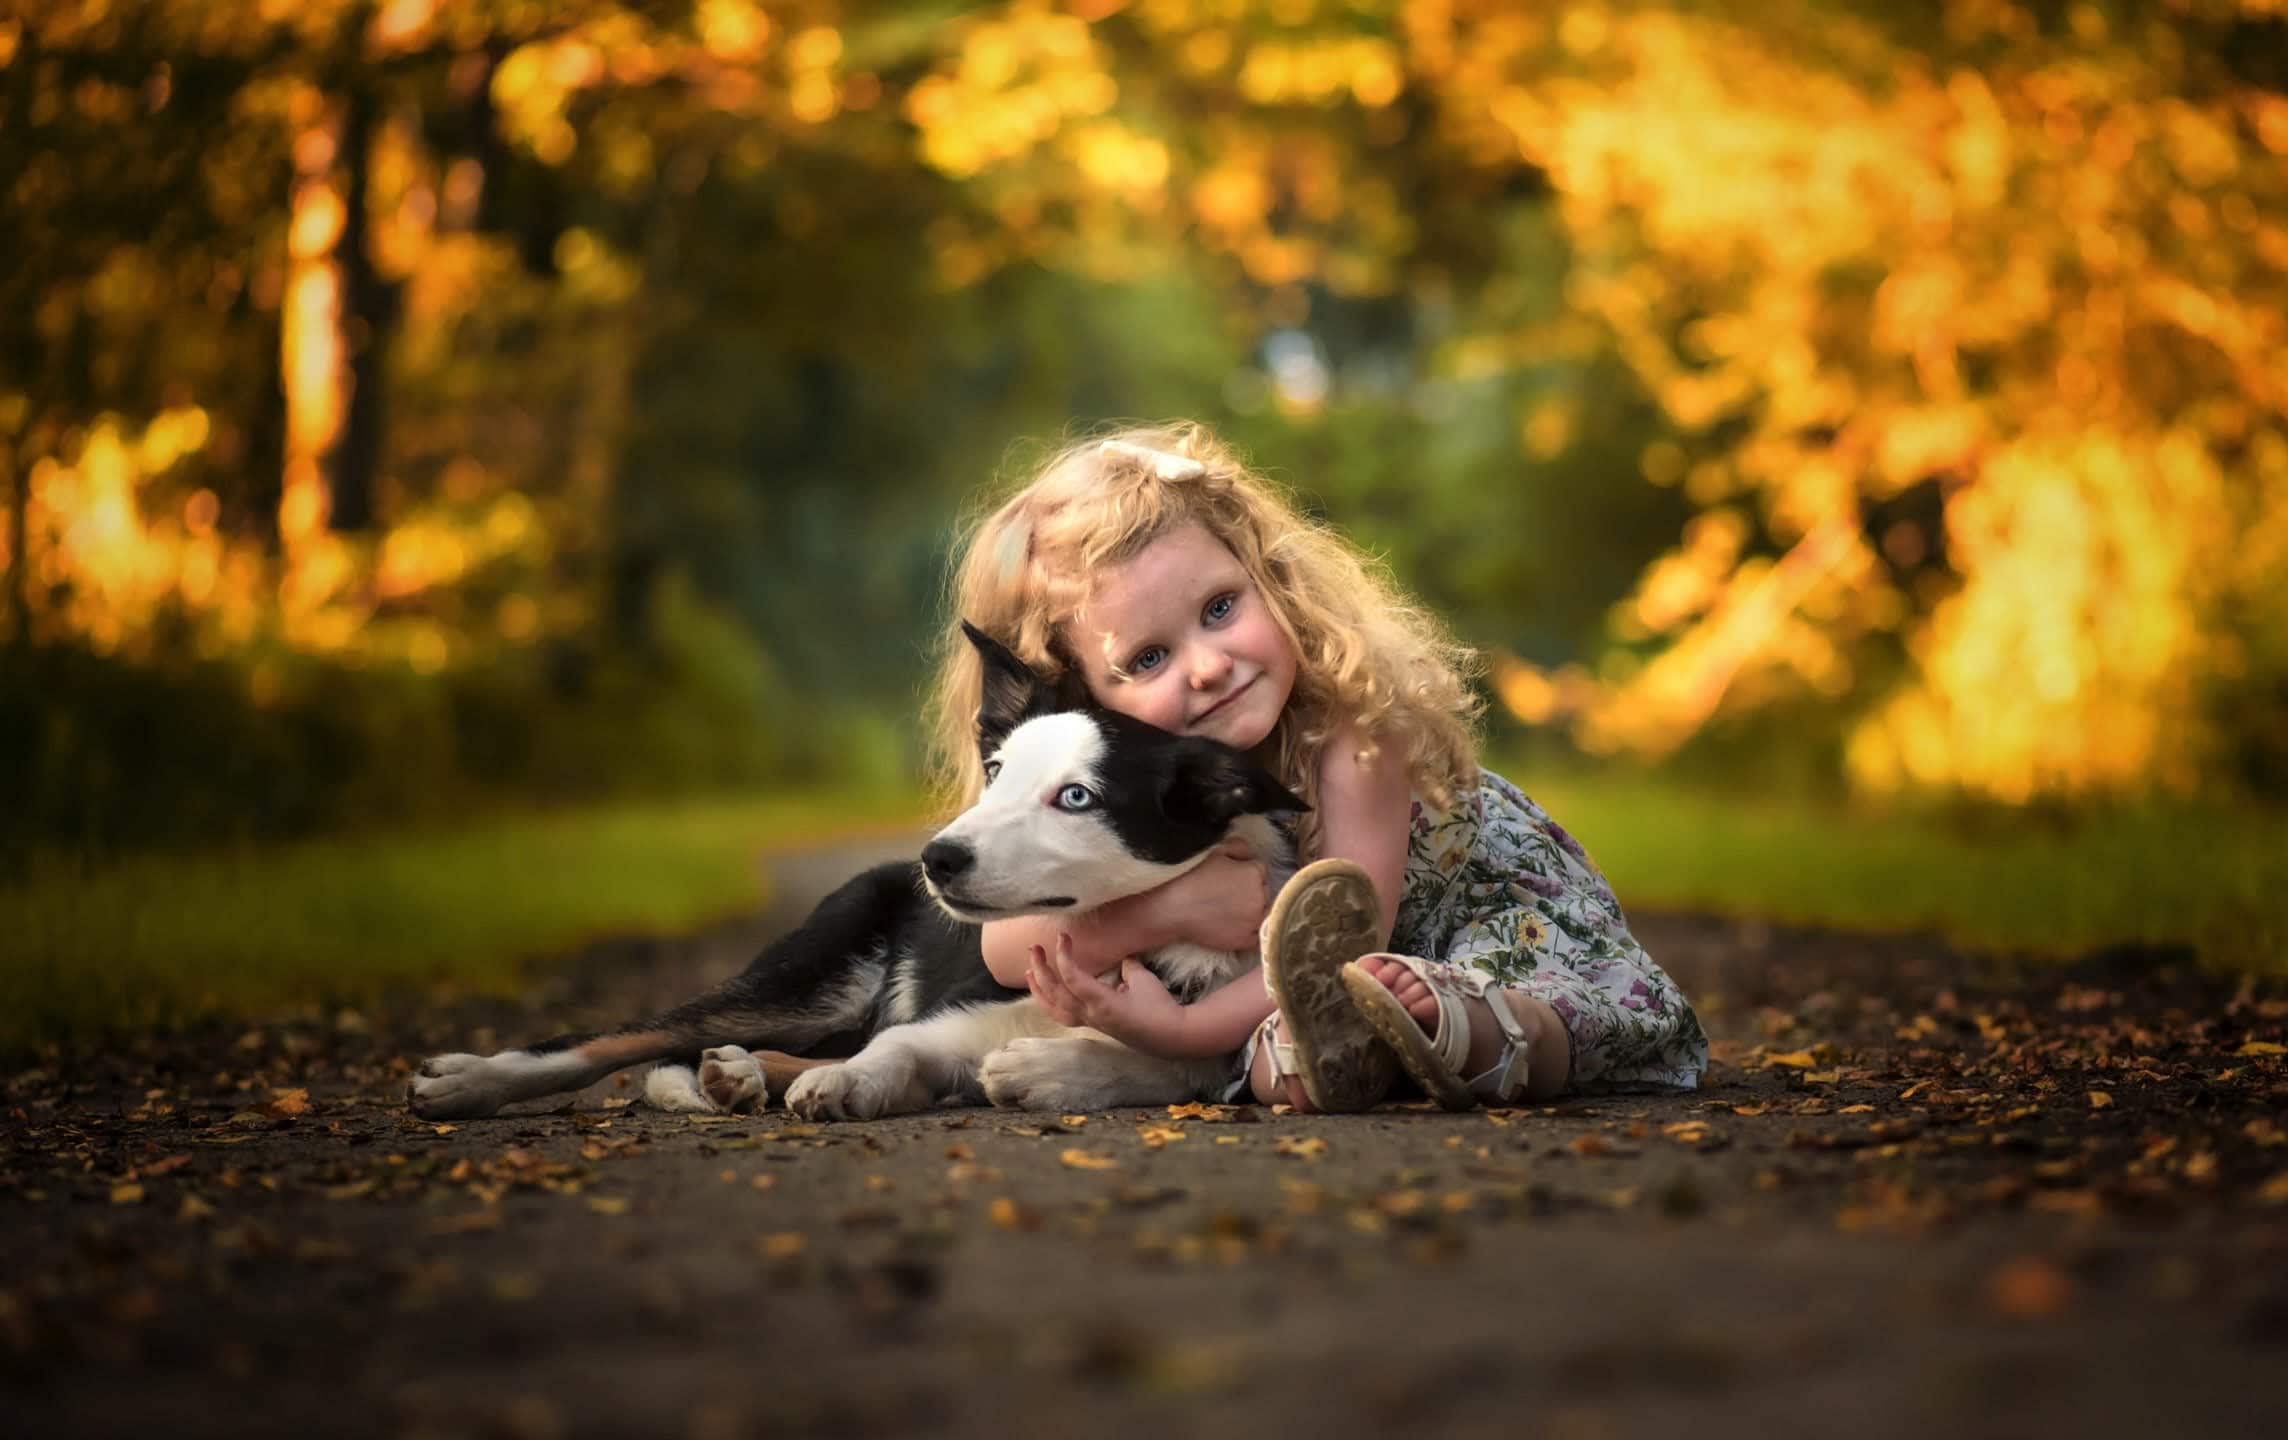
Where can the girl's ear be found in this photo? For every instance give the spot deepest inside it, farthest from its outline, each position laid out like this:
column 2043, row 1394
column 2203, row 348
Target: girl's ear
column 1012, row 693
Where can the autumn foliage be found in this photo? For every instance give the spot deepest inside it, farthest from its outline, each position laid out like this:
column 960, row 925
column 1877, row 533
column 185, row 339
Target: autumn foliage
column 1960, row 327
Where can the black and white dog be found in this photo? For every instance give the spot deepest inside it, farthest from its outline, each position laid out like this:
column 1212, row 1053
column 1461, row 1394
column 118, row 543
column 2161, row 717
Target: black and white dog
column 1081, row 807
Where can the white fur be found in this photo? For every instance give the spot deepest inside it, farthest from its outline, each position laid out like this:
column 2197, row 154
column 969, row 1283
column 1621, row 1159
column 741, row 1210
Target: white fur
column 1029, row 850
column 732, row 1079
column 903, row 1001
column 464, row 1087
column 675, row 1088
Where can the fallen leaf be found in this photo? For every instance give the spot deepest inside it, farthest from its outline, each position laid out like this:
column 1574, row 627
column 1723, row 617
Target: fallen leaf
column 1305, row 1148
column 783, row 1245
column 1792, row 1059
column 129, row 1194
column 608, row 1204
column 289, row 1103
column 1075, row 1121
column 2275, row 1190
column 1856, row 1110
column 2029, row 1288
column 1081, row 1160
column 443, row 1129
column 1155, row 1136
column 1197, row 1111
column 1010, row 1215
column 2260, row 1047
column 2098, row 1099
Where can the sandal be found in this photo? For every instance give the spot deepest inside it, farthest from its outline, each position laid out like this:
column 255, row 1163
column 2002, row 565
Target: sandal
column 1436, row 1062
column 1325, row 918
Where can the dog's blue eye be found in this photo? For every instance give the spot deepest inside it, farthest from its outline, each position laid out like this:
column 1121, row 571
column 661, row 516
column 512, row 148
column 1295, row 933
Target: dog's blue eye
column 1075, row 797
column 1220, row 607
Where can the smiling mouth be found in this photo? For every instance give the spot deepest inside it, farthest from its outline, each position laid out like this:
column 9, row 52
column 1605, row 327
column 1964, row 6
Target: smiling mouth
column 1226, row 700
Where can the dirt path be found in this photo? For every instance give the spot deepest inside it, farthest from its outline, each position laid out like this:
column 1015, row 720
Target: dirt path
column 1922, row 1194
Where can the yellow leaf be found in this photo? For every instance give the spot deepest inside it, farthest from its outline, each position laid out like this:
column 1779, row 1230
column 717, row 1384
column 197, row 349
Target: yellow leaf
column 1311, row 1148
column 194, row 1209
column 1155, row 1136
column 1856, row 1110
column 608, row 1204
column 2098, row 1099
column 1082, row 1160
column 2275, row 1190
column 1075, row 1121
column 1010, row 1215
column 130, row 1194
column 1793, row 1059
column 2261, row 1047
column 784, row 1245
column 1822, row 1077
column 444, row 1129
column 289, row 1102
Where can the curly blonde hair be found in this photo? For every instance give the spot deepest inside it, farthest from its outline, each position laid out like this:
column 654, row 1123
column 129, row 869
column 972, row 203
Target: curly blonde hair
column 1366, row 656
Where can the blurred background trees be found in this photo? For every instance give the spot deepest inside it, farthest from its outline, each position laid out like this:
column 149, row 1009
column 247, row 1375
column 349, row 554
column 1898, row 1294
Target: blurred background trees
column 408, row 406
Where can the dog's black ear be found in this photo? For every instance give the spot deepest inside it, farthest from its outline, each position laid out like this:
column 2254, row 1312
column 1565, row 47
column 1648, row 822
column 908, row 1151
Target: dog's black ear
column 1215, row 783
column 1012, row 695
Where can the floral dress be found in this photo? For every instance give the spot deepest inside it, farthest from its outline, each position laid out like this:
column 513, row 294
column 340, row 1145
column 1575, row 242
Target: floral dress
column 1495, row 884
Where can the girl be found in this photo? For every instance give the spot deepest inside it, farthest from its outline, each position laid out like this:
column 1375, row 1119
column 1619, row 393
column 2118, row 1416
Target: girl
column 1447, row 925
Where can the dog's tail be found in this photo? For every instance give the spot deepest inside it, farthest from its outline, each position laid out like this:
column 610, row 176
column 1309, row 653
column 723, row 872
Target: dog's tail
column 819, row 979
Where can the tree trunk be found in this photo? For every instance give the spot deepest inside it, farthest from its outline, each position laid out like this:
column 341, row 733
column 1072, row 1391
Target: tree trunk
column 369, row 322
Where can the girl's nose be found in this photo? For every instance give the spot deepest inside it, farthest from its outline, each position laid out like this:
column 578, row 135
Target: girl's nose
column 1209, row 666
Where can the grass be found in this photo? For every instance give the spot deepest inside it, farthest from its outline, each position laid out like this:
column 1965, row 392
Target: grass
column 166, row 940
column 2213, row 879
column 161, row 941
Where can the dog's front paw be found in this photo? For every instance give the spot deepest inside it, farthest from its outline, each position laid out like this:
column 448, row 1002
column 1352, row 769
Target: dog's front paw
column 455, row 1087
column 733, row 1078
column 1043, row 1072
column 838, row 1092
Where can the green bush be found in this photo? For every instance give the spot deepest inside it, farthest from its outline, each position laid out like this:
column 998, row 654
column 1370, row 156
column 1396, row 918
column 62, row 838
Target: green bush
column 110, row 757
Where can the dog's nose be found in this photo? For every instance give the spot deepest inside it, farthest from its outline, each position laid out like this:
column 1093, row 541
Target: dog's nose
column 944, row 860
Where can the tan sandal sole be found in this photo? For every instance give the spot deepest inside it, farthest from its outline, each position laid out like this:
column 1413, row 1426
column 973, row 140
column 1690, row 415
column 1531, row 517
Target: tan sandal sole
column 1324, row 919
column 1406, row 1038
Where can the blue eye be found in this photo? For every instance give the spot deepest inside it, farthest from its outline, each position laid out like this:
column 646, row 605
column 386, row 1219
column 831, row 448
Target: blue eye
column 1147, row 659
column 1220, row 607
column 1076, row 798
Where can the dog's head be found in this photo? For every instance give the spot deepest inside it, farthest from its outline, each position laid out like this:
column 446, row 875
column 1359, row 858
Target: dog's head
column 1082, row 807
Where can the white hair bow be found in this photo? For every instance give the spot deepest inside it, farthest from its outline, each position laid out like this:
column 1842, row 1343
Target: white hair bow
column 1163, row 464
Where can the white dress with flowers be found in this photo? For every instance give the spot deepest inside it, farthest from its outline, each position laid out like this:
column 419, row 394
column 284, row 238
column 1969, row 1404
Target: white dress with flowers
column 1495, row 884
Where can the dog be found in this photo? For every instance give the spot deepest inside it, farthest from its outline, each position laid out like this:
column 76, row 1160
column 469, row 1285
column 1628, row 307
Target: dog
column 1082, row 806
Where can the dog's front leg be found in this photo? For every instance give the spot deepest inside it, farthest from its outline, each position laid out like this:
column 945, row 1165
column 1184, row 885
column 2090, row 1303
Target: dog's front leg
column 1089, row 1070
column 911, row 1067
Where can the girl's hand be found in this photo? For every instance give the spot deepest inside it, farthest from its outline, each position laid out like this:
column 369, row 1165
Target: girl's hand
column 1136, row 1010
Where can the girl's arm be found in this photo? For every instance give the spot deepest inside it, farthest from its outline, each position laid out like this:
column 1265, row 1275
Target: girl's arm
column 1365, row 807
column 1137, row 1010
column 1218, row 903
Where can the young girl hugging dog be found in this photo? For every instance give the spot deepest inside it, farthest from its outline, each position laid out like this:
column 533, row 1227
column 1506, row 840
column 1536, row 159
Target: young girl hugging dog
column 1446, row 924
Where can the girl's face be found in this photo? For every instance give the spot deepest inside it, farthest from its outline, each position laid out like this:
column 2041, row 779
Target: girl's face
column 1179, row 637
